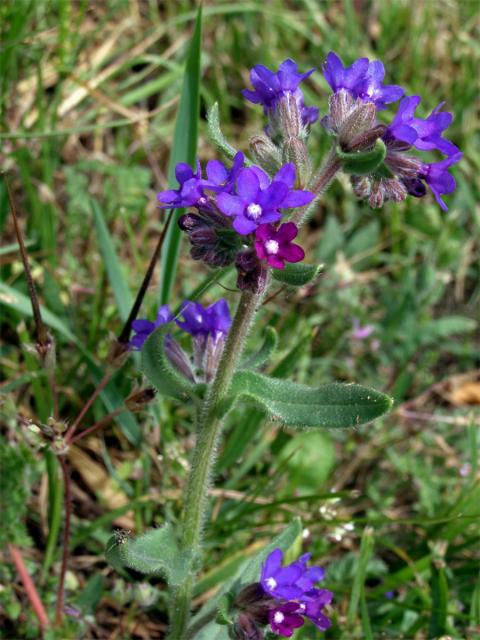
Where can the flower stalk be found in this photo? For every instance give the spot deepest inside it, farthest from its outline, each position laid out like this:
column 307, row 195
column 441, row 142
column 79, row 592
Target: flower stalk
column 209, row 428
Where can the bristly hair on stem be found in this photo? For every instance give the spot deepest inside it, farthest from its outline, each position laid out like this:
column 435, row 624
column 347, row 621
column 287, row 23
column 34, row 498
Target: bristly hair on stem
column 67, row 483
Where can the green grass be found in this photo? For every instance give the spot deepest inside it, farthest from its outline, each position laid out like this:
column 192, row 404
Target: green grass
column 89, row 100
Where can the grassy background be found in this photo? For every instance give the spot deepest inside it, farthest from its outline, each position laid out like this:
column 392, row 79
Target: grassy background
column 89, row 96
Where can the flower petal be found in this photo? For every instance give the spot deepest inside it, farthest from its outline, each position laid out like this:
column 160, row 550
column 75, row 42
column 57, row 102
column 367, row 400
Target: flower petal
column 230, row 205
column 248, row 184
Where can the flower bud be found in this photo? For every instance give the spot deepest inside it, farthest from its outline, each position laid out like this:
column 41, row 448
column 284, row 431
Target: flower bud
column 178, row 358
column 265, row 153
column 295, row 150
column 137, row 400
column 360, row 121
column 246, row 629
column 290, row 117
column 251, row 274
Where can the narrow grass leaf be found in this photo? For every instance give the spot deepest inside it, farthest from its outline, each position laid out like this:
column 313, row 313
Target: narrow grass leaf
column 366, row 550
column 184, row 150
column 116, row 277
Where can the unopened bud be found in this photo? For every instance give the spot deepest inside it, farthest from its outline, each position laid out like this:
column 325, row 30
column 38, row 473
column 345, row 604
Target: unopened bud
column 295, row 150
column 415, row 187
column 341, row 105
column 290, row 116
column 118, row 353
column 376, row 195
column 139, row 398
column 265, row 153
column 178, row 358
column 246, row 629
column 361, row 186
column 394, row 190
column 358, row 123
column 366, row 139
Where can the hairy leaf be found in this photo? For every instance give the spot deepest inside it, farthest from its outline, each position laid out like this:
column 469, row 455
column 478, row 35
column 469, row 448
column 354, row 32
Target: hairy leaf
column 153, row 553
column 297, row 274
column 264, row 353
column 329, row 406
column 361, row 163
column 159, row 370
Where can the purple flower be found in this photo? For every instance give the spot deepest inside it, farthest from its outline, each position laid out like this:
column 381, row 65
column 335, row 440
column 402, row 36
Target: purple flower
column 276, row 246
column 424, row 134
column 284, row 619
column 219, row 178
column 199, row 321
column 363, row 79
column 256, row 200
column 192, row 186
column 190, row 189
column 144, row 328
column 361, row 333
column 290, row 582
column 270, row 87
column 311, row 606
column 438, row 178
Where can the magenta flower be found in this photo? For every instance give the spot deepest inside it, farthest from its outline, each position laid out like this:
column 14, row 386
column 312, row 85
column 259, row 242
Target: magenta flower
column 257, row 200
column 284, row 619
column 360, row 332
column 276, row 246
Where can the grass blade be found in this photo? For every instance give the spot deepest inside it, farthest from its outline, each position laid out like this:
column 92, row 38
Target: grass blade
column 116, row 276
column 184, row 150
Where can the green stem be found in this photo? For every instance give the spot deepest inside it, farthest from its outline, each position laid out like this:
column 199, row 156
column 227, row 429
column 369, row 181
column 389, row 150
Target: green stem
column 208, row 434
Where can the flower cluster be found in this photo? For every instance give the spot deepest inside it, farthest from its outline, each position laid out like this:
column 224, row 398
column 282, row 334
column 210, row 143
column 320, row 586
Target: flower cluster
column 284, row 598
column 240, row 214
column 237, row 211
column 358, row 93
column 207, row 325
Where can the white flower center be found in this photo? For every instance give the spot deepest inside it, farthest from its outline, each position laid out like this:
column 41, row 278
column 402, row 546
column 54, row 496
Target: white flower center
column 278, row 617
column 271, row 247
column 303, row 606
column 271, row 583
column 254, row 211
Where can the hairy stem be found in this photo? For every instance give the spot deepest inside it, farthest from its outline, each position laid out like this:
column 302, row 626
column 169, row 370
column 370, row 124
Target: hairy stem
column 318, row 185
column 208, row 433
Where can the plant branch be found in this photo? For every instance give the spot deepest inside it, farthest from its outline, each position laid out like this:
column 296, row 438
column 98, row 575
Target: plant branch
column 29, row 586
column 66, row 538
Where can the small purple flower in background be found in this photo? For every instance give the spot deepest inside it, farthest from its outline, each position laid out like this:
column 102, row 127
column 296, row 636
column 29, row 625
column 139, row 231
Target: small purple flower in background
column 363, row 80
column 257, row 200
column 276, row 246
column 271, row 87
column 143, row 328
column 360, row 332
column 389, row 595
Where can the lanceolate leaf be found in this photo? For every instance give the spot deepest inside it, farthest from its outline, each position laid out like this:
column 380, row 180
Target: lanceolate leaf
column 158, row 368
column 297, row 274
column 216, row 135
column 329, row 406
column 184, row 150
column 153, row 553
column 262, row 356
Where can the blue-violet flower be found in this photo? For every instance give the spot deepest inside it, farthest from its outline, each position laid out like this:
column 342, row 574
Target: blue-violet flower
column 143, row 328
column 270, row 87
column 257, row 200
column 363, row 79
